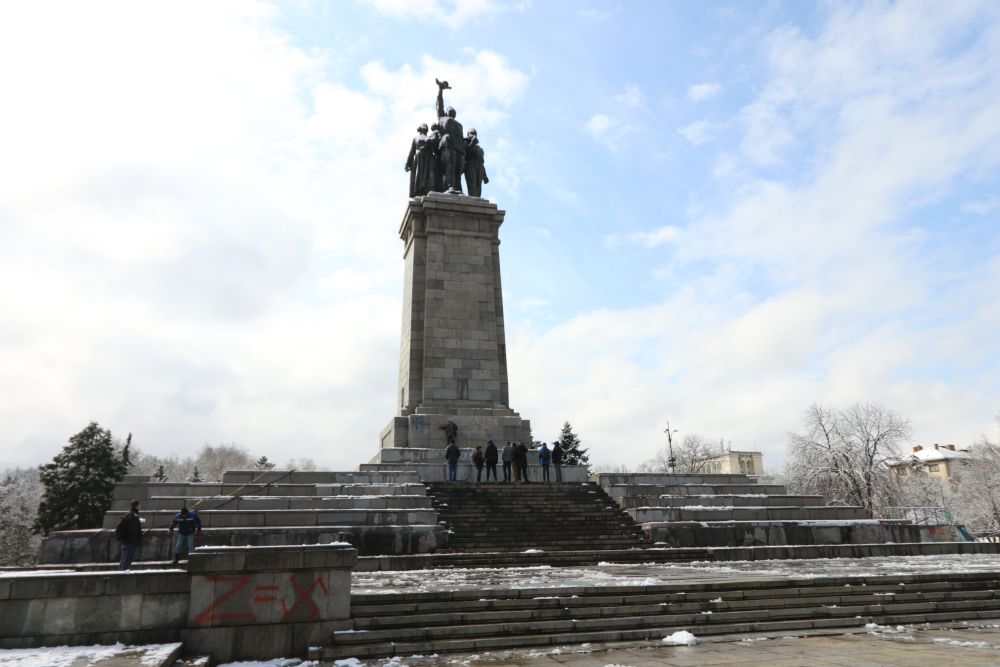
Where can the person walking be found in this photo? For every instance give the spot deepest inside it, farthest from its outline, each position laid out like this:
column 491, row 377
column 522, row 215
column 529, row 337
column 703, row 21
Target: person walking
column 557, row 459
column 477, row 460
column 129, row 533
column 506, row 456
column 188, row 525
column 491, row 460
column 452, row 454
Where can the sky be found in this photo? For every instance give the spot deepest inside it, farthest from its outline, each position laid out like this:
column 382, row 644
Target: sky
column 717, row 214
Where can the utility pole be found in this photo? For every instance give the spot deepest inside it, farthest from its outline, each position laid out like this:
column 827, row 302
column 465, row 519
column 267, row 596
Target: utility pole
column 671, row 462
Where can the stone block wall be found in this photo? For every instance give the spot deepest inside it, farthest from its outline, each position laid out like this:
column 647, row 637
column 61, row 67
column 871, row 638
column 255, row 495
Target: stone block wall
column 250, row 602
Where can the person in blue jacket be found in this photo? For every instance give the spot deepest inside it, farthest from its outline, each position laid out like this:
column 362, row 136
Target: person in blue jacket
column 188, row 525
column 545, row 458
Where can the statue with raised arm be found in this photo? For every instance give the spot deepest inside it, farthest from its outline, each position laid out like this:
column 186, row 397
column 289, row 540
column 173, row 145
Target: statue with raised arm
column 452, row 146
column 475, row 167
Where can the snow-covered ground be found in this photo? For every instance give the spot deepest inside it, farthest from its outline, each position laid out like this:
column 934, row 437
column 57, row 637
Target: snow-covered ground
column 150, row 655
column 648, row 574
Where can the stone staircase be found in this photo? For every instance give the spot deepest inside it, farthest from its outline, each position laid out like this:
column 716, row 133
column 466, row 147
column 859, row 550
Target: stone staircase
column 385, row 625
column 711, row 510
column 518, row 517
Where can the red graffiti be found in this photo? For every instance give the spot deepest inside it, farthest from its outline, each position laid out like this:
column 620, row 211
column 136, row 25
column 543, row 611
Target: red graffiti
column 258, row 598
column 303, row 606
column 210, row 615
column 303, row 598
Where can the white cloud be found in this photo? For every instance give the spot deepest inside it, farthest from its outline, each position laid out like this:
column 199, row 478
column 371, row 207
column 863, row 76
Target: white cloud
column 703, row 91
column 450, row 13
column 631, row 98
column 699, row 132
column 814, row 288
column 196, row 243
column 610, row 132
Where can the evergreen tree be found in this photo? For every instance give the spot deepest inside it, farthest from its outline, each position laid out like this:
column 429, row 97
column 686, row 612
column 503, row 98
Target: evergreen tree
column 80, row 482
column 574, row 454
column 263, row 464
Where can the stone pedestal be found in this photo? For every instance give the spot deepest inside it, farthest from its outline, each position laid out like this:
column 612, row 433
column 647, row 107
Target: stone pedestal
column 453, row 352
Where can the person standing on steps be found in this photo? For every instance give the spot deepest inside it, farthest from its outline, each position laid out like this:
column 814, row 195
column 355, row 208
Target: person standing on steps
column 557, row 459
column 544, row 458
column 188, row 525
column 129, row 533
column 515, row 458
column 477, row 460
column 505, row 456
column 491, row 460
column 524, row 462
column 452, row 454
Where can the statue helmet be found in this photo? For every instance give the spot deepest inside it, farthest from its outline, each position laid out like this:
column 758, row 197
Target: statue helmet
column 450, row 111
column 422, row 128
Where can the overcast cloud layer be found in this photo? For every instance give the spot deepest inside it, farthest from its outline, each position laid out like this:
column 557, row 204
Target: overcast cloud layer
column 715, row 215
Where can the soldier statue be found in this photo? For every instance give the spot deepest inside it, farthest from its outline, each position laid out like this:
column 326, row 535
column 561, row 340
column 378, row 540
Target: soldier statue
column 452, row 143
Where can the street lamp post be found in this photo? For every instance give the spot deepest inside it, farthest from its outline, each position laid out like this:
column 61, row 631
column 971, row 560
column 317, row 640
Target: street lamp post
column 671, row 462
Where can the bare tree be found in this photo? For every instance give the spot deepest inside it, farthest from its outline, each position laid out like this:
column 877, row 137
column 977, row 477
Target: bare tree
column 845, row 454
column 691, row 455
column 978, row 492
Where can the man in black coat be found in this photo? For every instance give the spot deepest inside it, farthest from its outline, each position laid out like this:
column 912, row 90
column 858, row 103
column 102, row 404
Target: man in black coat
column 491, row 460
column 452, row 455
column 129, row 533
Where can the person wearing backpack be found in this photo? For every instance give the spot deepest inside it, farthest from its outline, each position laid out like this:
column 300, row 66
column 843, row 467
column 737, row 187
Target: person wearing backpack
column 545, row 458
column 129, row 533
column 478, row 460
column 188, row 525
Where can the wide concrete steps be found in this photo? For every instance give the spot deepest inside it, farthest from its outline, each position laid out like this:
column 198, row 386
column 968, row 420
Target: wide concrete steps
column 762, row 513
column 386, row 625
column 754, row 500
column 256, row 503
column 734, row 489
column 290, row 518
column 518, row 517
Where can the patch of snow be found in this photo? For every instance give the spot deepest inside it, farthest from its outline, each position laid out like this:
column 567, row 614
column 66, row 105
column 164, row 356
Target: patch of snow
column 681, row 638
column 532, row 551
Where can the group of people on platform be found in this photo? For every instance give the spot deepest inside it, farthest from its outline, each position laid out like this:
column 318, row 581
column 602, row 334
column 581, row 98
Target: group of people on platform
column 513, row 456
column 129, row 532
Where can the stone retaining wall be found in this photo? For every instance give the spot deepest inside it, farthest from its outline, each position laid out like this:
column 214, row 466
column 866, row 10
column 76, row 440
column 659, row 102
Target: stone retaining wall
column 100, row 546
column 250, row 602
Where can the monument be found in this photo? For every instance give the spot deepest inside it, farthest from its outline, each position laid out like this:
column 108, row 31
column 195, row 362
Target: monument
column 453, row 352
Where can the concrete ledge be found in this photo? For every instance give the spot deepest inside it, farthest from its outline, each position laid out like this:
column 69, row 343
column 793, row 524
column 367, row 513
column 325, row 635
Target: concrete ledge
column 95, row 546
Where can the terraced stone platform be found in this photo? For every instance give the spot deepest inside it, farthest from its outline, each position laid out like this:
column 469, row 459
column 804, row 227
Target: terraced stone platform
column 384, row 512
column 384, row 625
column 706, row 510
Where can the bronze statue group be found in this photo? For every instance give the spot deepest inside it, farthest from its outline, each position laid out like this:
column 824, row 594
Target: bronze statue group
column 440, row 155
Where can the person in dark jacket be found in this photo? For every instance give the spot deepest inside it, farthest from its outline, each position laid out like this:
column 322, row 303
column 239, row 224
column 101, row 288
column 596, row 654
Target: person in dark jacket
column 545, row 458
column 477, row 460
column 507, row 456
column 491, row 460
column 557, row 459
column 188, row 525
column 452, row 454
column 129, row 533
column 524, row 463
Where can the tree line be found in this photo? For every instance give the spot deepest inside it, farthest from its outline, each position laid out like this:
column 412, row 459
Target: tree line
column 74, row 491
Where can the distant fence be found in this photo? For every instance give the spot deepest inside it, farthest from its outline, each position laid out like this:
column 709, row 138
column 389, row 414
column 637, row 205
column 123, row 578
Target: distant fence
column 922, row 516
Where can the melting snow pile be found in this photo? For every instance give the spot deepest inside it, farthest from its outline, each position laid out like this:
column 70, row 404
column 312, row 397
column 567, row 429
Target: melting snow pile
column 681, row 638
